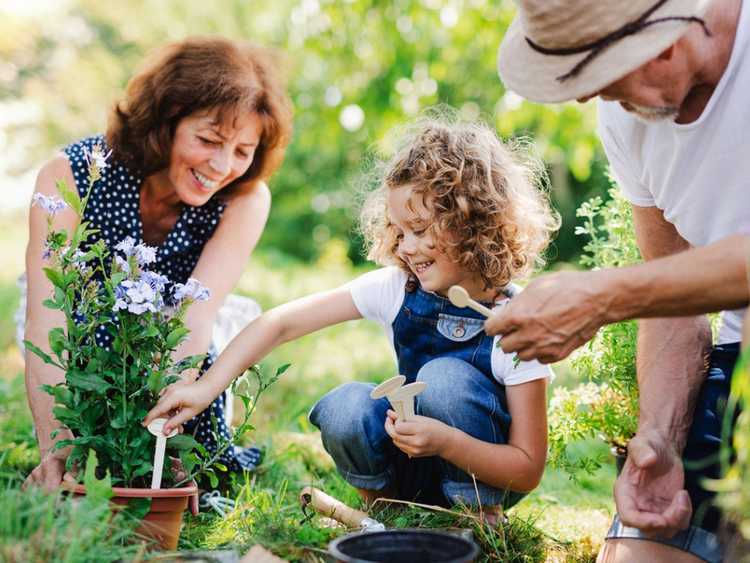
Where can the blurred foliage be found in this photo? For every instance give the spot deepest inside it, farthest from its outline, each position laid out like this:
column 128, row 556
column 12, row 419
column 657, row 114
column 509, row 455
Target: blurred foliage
column 356, row 69
column 733, row 487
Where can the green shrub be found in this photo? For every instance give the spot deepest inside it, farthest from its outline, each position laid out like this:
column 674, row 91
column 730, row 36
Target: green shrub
column 606, row 404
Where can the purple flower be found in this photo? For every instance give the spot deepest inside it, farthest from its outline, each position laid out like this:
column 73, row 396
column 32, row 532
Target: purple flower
column 96, row 156
column 156, row 281
column 145, row 254
column 126, row 246
column 137, row 296
column 192, row 290
column 123, row 264
column 50, row 204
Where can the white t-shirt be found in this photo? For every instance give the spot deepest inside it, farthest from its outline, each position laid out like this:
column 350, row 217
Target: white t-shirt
column 698, row 173
column 378, row 295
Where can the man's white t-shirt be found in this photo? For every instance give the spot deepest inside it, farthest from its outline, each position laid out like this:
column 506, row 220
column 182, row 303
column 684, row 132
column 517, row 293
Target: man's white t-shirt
column 378, row 296
column 698, row 174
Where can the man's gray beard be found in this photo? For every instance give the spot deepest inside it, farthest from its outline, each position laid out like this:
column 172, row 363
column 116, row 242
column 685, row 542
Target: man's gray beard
column 652, row 114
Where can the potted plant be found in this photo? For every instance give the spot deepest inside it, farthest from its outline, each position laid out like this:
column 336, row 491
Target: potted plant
column 606, row 404
column 122, row 325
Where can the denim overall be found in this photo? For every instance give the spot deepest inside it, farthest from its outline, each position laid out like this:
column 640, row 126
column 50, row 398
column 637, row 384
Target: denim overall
column 446, row 347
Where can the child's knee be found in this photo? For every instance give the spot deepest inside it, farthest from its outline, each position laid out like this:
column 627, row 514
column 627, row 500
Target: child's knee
column 347, row 414
column 451, row 384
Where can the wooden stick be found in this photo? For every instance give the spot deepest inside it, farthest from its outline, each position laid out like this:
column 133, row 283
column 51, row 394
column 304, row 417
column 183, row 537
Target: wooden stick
column 460, row 298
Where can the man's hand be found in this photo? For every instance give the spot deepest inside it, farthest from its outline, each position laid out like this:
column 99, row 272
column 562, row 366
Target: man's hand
column 180, row 402
column 420, row 436
column 649, row 492
column 553, row 316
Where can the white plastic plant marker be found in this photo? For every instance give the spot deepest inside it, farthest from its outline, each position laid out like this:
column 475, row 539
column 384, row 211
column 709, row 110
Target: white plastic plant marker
column 387, row 387
column 156, row 428
column 460, row 298
column 402, row 399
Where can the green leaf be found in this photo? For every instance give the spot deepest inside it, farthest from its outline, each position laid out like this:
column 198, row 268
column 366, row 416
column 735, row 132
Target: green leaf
column 51, row 304
column 57, row 341
column 67, row 416
column 189, row 461
column 96, row 489
column 155, row 381
column 87, row 382
column 62, row 394
column 176, row 336
column 46, row 358
column 69, row 196
column 55, row 277
column 120, row 420
column 282, row 369
column 138, row 508
column 213, row 479
column 149, row 332
column 182, row 442
column 118, row 278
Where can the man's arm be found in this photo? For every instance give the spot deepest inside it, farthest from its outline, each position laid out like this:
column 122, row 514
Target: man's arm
column 541, row 324
column 671, row 367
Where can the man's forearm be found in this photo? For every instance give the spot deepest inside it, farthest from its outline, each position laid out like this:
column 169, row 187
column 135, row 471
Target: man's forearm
column 696, row 281
column 672, row 360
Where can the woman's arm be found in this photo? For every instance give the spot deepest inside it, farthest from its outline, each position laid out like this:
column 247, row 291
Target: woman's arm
column 517, row 465
column 40, row 320
column 273, row 328
column 221, row 264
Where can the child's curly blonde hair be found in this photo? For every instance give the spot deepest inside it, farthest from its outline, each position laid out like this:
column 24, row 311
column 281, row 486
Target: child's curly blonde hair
column 489, row 209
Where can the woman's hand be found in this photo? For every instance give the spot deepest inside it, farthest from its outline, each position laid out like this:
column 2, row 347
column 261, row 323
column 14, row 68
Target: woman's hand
column 420, row 436
column 180, row 402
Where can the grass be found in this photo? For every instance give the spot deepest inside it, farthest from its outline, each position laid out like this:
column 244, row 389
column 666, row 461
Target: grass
column 559, row 521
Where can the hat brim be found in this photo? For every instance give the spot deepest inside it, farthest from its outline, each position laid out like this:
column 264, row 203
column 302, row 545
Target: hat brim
column 534, row 75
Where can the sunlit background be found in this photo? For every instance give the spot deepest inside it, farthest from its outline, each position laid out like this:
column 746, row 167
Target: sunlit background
column 356, row 69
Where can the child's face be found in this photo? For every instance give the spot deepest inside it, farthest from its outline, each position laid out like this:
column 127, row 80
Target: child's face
column 435, row 270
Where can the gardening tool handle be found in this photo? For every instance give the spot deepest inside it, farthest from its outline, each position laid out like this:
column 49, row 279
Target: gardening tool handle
column 333, row 508
column 479, row 308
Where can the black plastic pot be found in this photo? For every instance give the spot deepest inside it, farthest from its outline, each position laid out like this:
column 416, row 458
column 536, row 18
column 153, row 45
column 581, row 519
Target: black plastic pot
column 403, row 546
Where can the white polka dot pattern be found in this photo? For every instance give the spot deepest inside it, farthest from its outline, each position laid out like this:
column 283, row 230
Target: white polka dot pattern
column 114, row 209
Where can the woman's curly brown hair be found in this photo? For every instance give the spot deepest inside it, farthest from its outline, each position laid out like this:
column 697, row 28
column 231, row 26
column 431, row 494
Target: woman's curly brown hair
column 202, row 74
column 489, row 209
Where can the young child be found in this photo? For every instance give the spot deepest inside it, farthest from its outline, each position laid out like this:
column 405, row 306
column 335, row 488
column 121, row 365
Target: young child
column 454, row 206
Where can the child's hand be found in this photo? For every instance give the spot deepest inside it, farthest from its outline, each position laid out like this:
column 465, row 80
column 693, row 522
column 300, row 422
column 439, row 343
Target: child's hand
column 180, row 402
column 420, row 436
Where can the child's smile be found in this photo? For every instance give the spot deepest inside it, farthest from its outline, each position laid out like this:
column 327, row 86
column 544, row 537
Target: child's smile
column 433, row 267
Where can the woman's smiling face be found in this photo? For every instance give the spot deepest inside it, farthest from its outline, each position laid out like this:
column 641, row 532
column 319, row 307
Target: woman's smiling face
column 208, row 154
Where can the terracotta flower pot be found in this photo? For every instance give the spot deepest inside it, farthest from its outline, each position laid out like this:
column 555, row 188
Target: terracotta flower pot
column 164, row 520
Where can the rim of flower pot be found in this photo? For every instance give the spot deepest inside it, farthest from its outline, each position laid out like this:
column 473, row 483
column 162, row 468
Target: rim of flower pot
column 136, row 492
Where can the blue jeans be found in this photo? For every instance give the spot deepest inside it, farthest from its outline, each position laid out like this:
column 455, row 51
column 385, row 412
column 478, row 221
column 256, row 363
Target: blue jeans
column 458, row 394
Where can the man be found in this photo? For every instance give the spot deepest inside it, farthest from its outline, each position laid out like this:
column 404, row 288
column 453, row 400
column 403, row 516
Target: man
column 673, row 78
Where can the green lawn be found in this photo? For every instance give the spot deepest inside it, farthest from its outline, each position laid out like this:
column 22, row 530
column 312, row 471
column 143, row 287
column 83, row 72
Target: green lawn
column 559, row 521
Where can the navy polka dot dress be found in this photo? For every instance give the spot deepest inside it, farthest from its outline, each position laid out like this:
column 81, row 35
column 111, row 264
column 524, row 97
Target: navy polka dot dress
column 114, row 209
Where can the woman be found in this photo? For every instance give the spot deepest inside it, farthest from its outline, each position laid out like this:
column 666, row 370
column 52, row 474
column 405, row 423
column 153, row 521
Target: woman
column 201, row 127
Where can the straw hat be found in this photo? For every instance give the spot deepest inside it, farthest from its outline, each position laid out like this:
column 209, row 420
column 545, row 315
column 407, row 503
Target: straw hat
column 543, row 54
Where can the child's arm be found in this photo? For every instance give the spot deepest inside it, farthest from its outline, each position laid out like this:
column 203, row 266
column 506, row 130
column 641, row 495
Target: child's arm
column 273, row 328
column 517, row 465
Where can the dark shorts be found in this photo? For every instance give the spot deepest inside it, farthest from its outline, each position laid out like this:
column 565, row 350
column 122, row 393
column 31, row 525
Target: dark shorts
column 701, row 461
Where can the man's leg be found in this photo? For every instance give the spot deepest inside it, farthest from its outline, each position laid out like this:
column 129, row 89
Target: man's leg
column 700, row 541
column 632, row 551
